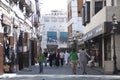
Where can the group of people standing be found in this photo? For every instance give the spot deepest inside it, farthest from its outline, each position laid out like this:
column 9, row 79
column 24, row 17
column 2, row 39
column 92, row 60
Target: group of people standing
column 55, row 58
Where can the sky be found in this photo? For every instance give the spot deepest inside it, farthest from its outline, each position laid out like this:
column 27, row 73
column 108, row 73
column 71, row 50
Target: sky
column 48, row 5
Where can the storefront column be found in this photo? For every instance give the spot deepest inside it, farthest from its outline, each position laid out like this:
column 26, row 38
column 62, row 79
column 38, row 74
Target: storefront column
column 1, row 53
column 103, row 53
column 108, row 63
column 1, row 45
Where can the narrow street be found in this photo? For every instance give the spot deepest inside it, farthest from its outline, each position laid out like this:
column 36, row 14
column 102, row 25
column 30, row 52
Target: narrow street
column 59, row 73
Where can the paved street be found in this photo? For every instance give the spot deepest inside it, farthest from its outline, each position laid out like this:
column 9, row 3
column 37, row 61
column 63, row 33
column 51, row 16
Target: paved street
column 58, row 73
column 65, row 70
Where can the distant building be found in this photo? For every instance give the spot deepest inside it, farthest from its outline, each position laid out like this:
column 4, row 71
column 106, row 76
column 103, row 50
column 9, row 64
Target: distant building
column 54, row 30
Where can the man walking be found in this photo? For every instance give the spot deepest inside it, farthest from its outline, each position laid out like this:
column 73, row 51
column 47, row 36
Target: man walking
column 83, row 59
column 73, row 59
column 61, row 58
column 66, row 57
column 46, row 56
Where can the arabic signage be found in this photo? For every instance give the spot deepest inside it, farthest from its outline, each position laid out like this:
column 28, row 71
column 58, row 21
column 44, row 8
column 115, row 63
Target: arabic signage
column 94, row 32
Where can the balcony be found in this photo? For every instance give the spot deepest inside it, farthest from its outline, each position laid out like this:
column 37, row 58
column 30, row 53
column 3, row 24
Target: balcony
column 104, row 15
column 29, row 9
column 36, row 21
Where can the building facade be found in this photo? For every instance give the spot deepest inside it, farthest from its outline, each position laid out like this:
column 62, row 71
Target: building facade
column 54, row 30
column 98, row 24
column 74, row 20
column 17, row 24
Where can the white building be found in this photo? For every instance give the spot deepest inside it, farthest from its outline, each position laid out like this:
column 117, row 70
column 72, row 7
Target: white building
column 53, row 22
column 74, row 20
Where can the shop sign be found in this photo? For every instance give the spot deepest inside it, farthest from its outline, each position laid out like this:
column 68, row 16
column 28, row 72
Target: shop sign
column 25, row 49
column 6, row 20
column 94, row 32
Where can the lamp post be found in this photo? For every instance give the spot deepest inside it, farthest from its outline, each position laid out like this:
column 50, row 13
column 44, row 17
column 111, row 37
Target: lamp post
column 75, row 40
column 114, row 22
column 75, row 43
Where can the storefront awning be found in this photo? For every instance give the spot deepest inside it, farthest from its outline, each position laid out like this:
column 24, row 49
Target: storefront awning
column 94, row 32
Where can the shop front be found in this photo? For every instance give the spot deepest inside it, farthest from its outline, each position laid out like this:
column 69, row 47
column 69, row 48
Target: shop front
column 93, row 43
column 8, row 44
column 99, row 42
column 34, row 48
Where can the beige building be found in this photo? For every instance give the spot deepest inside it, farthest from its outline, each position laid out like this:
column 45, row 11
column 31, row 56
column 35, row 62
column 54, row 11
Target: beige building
column 98, row 24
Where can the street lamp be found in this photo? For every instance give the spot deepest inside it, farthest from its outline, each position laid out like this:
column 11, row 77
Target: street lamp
column 114, row 22
column 75, row 43
column 75, row 40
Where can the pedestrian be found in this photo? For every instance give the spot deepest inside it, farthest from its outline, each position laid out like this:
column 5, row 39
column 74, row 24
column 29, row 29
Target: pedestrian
column 46, row 56
column 57, row 58
column 61, row 58
column 78, row 62
column 73, row 59
column 12, row 59
column 40, row 59
column 66, row 57
column 83, row 60
column 51, row 59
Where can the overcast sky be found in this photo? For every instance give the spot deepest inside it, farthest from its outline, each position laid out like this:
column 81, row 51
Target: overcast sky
column 47, row 5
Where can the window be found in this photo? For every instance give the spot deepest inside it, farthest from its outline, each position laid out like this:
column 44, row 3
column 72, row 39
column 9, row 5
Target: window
column 98, row 6
column 87, row 12
column 83, row 15
column 112, row 2
column 63, row 36
column 46, row 19
column 61, row 19
column 6, row 29
column 51, row 36
column 104, row 3
column 53, row 19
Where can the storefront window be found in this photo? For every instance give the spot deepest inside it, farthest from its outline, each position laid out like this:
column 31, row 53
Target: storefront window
column 107, row 48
